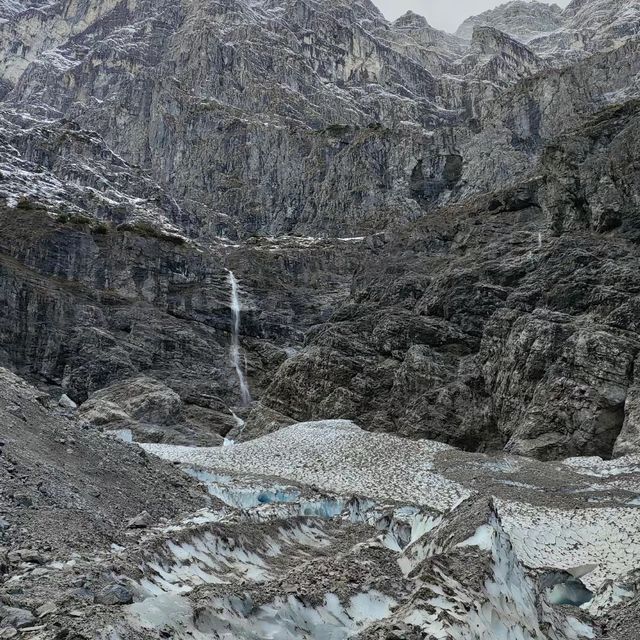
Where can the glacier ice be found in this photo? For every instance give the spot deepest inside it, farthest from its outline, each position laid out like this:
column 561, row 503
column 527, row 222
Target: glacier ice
column 315, row 499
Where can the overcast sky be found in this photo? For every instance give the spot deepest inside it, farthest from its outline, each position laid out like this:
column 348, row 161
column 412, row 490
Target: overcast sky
column 444, row 14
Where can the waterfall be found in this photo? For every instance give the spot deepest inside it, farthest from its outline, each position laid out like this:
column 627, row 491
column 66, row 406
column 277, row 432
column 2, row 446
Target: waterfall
column 228, row 442
column 245, row 396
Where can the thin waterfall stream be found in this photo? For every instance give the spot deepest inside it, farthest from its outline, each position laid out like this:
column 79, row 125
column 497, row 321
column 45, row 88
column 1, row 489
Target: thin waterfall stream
column 236, row 310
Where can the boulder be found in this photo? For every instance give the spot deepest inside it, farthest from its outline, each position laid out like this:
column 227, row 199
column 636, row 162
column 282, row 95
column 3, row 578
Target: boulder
column 140, row 399
column 141, row 521
column 15, row 617
column 114, row 595
column 66, row 402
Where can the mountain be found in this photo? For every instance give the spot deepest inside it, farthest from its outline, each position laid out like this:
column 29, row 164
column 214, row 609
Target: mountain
column 502, row 322
column 148, row 148
column 522, row 19
column 316, row 325
column 582, row 28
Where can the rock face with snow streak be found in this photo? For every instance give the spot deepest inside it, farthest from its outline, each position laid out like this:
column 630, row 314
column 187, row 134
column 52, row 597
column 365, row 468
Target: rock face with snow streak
column 239, row 144
column 523, row 19
column 147, row 147
column 582, row 28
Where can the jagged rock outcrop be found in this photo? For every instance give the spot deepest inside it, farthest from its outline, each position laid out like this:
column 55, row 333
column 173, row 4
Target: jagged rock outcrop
column 500, row 329
column 523, row 19
column 591, row 178
column 591, row 26
column 581, row 29
column 629, row 438
column 431, row 48
column 136, row 170
column 496, row 57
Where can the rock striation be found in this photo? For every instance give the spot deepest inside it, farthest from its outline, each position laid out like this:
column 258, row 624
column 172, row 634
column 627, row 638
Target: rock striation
column 522, row 19
column 433, row 234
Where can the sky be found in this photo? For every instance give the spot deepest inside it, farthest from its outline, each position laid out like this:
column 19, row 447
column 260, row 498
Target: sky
column 443, row 14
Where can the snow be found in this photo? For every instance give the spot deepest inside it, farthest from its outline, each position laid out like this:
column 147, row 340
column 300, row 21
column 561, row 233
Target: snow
column 236, row 495
column 482, row 538
column 206, row 555
column 126, row 435
column 290, row 619
column 595, row 466
column 336, row 456
column 568, row 593
column 410, row 506
column 161, row 610
column 566, row 538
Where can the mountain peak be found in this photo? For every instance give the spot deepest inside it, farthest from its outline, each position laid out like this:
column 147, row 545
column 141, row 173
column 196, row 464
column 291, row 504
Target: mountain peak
column 413, row 20
column 486, row 39
column 522, row 19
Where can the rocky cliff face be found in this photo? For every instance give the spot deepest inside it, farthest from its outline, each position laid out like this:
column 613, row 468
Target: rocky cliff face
column 522, row 19
column 581, row 29
column 504, row 321
column 231, row 143
column 435, row 235
column 87, row 304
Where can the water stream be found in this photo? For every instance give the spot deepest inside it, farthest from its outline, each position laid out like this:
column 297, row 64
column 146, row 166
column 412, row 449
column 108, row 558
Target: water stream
column 236, row 310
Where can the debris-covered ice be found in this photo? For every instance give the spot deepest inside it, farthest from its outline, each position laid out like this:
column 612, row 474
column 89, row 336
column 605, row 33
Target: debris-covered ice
column 337, row 455
column 333, row 532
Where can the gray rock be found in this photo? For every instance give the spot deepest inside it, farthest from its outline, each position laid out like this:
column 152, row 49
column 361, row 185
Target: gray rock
column 141, row 399
column 115, row 594
column 516, row 330
column 73, row 519
column 66, row 402
column 26, row 555
column 524, row 20
column 141, row 521
column 16, row 618
column 46, row 609
column 628, row 441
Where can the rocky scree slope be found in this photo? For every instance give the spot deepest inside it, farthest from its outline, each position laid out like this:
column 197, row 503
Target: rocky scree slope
column 147, row 147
